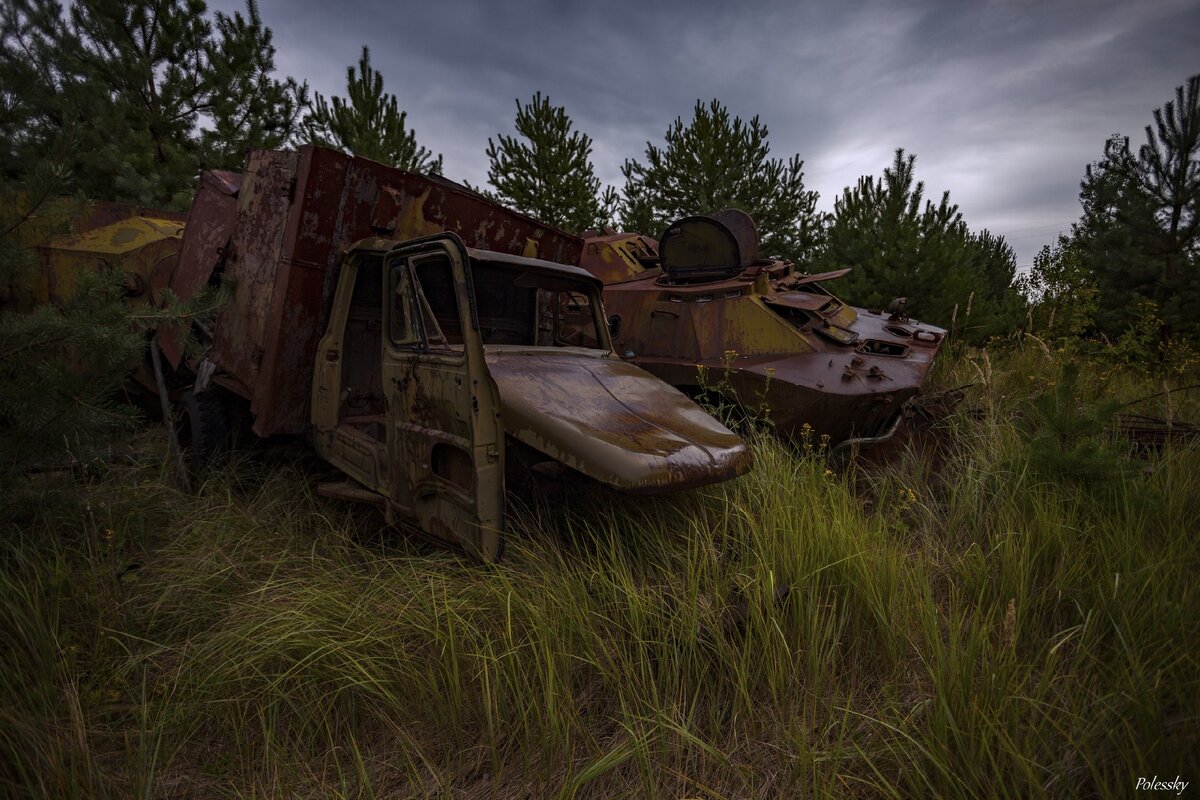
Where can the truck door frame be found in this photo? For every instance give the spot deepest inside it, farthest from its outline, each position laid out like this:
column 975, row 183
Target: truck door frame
column 445, row 441
column 359, row 456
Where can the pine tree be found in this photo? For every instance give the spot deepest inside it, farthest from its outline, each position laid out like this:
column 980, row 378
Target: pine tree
column 26, row 63
column 878, row 231
column 254, row 109
column 368, row 123
column 716, row 162
column 133, row 70
column 60, row 366
column 66, row 133
column 1068, row 431
column 35, row 205
column 998, row 306
column 894, row 240
column 900, row 244
column 133, row 79
column 1140, row 232
column 63, row 366
column 549, row 174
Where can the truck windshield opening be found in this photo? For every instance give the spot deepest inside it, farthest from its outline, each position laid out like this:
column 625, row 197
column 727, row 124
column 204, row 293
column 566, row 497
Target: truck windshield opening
column 514, row 306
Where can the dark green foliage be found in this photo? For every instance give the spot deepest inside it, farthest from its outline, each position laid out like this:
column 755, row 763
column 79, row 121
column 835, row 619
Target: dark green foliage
column 25, row 58
column 105, row 101
column 996, row 303
column 31, row 209
column 132, row 73
column 1061, row 291
column 256, row 110
column 715, row 162
column 881, row 231
column 899, row 244
column 1140, row 232
column 368, row 123
column 549, row 175
column 61, row 369
column 1069, row 435
column 132, row 82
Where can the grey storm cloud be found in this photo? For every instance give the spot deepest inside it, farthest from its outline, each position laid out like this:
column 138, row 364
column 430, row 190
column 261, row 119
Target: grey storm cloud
column 1003, row 103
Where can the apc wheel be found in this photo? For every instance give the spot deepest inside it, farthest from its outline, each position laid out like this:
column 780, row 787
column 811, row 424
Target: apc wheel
column 202, row 426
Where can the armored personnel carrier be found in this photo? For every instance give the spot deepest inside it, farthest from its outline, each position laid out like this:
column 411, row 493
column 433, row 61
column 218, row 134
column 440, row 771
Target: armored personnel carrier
column 702, row 310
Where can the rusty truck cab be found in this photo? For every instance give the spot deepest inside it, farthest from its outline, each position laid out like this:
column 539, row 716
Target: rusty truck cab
column 402, row 323
column 435, row 353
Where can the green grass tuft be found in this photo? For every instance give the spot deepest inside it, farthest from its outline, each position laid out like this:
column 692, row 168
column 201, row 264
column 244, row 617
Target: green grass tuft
column 956, row 622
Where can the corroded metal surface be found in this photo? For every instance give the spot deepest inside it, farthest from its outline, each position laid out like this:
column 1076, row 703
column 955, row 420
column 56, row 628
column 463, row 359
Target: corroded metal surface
column 699, row 246
column 210, row 226
column 613, row 422
column 296, row 213
column 615, row 257
column 435, row 355
column 409, row 325
column 139, row 242
column 765, row 336
column 250, row 257
column 742, row 226
column 1154, row 434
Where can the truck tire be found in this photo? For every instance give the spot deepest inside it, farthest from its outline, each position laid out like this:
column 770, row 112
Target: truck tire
column 202, row 425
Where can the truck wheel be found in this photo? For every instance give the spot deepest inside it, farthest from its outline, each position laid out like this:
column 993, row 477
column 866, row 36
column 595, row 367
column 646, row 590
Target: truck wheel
column 202, row 425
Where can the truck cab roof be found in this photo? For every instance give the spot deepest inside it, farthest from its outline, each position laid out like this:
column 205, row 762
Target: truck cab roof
column 377, row 244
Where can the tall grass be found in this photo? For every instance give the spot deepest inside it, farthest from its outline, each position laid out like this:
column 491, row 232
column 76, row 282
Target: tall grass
column 955, row 623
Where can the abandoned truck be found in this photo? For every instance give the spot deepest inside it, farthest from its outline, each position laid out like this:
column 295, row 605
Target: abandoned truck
column 767, row 335
column 426, row 340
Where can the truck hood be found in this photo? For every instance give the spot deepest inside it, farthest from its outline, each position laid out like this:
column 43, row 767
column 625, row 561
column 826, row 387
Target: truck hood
column 613, row 421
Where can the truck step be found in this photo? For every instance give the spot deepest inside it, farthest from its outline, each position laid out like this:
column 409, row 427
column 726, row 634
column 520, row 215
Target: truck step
column 352, row 492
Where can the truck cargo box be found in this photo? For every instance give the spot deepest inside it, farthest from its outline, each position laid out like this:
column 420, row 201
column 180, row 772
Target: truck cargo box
column 294, row 215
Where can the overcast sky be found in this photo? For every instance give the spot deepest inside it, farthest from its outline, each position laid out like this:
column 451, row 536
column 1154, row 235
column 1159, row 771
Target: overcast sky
column 1003, row 103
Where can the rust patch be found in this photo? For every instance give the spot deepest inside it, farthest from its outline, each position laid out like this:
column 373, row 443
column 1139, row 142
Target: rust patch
column 138, row 243
column 203, row 249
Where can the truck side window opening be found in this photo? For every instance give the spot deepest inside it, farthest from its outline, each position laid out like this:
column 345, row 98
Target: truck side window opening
column 361, row 392
column 403, row 327
column 433, row 332
column 439, row 301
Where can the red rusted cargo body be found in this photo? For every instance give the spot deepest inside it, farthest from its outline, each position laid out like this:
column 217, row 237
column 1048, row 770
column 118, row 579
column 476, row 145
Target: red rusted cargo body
column 280, row 233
